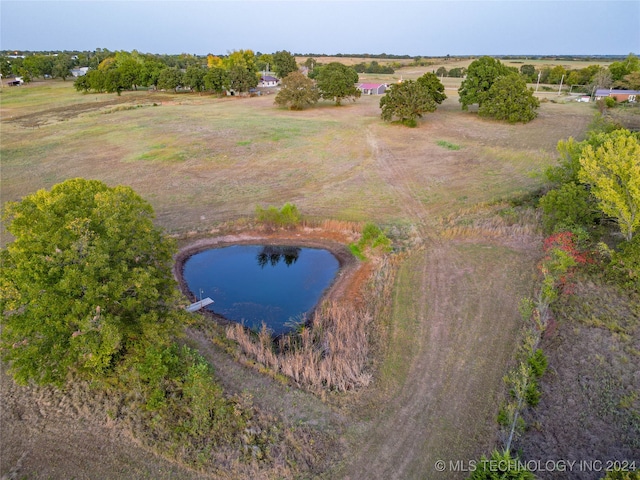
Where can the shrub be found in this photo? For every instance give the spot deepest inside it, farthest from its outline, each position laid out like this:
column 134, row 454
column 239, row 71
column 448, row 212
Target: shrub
column 624, row 267
column 532, row 394
column 448, row 145
column 500, row 466
column 287, row 216
column 538, row 363
column 610, row 102
column 372, row 237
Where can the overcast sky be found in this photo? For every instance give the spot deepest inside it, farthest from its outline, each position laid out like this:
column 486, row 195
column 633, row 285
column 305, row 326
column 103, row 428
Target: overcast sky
column 402, row 27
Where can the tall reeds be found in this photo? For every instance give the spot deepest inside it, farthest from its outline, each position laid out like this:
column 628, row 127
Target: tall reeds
column 330, row 352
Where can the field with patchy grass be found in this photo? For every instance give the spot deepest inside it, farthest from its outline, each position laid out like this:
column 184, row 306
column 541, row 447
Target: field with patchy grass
column 444, row 188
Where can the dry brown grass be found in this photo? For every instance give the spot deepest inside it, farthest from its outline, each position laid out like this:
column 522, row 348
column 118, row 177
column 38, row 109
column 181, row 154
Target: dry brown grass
column 445, row 328
column 331, row 351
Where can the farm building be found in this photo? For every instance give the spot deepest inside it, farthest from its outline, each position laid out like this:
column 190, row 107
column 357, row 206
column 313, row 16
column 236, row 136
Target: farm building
column 268, row 81
column 620, row 95
column 372, row 88
column 79, row 72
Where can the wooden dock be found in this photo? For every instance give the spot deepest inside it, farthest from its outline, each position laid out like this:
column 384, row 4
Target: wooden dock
column 194, row 307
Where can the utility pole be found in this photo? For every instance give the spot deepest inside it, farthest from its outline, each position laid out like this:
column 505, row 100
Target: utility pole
column 538, row 84
column 560, row 89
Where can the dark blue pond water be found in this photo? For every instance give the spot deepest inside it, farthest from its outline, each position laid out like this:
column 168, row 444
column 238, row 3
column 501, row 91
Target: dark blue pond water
column 252, row 284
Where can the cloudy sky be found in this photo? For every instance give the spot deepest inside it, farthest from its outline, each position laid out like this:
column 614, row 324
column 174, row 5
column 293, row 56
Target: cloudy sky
column 402, row 27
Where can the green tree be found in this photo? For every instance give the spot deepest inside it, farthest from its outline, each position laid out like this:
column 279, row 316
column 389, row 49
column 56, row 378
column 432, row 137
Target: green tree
column 432, row 84
column 613, row 171
column 129, row 68
column 630, row 81
column 38, row 65
column 509, row 99
column 556, row 74
column 457, row 72
column 114, row 81
column 264, row 62
column 150, row 71
column 82, row 84
column 628, row 65
column 284, row 63
column 410, row 99
column 170, row 79
column 310, row 63
column 194, row 78
column 242, row 79
column 480, row 77
column 337, row 82
column 85, row 285
column 62, row 66
column 441, row 72
column 568, row 206
column 297, row 92
column 5, row 66
column 529, row 72
column 216, row 79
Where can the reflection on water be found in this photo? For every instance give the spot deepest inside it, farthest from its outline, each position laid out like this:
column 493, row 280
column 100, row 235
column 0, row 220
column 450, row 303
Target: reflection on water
column 272, row 254
column 251, row 284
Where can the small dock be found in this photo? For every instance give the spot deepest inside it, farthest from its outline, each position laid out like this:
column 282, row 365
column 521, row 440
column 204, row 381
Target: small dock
column 194, row 307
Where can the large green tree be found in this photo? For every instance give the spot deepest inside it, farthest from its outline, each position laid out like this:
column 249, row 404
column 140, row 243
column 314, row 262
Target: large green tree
column 62, row 66
column 509, row 99
column 170, row 79
column 613, row 172
column 242, row 79
column 86, row 284
column 481, row 75
column 194, row 78
column 337, row 82
column 410, row 99
column 216, row 79
column 284, row 63
column 297, row 92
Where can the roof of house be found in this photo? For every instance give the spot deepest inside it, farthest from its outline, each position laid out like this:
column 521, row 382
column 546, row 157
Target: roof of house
column 268, row 78
column 606, row 91
column 371, row 85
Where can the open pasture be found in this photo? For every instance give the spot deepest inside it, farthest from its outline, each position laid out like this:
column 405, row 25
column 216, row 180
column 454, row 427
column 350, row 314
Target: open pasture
column 201, row 160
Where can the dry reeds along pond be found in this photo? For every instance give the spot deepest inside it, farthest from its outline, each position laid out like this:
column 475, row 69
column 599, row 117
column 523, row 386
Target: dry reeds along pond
column 251, row 284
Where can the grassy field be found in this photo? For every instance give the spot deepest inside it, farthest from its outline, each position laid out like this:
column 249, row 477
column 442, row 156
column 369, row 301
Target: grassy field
column 202, row 160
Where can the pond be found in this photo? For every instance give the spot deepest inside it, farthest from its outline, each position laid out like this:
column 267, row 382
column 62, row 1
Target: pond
column 252, row 284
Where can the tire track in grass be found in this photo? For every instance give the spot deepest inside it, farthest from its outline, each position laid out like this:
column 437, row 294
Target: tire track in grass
column 463, row 335
column 453, row 332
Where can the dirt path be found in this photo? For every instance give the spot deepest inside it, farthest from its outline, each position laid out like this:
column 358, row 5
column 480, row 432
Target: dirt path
column 463, row 336
column 456, row 322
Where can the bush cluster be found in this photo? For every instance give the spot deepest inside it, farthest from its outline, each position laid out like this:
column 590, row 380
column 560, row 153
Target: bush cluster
column 287, row 216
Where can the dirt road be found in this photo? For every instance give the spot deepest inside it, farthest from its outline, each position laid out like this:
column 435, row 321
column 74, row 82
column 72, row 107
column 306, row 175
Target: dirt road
column 455, row 329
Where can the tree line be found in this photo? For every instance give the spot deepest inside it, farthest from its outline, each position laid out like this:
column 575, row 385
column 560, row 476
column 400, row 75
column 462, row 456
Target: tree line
column 619, row 74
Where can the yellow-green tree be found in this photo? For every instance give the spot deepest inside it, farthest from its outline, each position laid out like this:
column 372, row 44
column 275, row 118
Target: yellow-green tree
column 613, row 172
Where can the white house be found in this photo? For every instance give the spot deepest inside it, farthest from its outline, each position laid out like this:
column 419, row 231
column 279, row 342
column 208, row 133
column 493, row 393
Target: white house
column 79, row 72
column 372, row 88
column 268, row 81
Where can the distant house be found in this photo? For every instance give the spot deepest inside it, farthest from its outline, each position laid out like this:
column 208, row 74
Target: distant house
column 268, row 81
column 79, row 72
column 372, row 88
column 631, row 96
